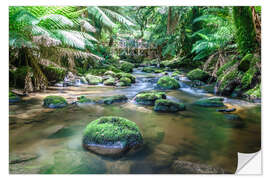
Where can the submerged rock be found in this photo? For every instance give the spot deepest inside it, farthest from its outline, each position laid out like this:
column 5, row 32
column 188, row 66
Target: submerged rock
column 84, row 100
column 186, row 167
column 21, row 157
column 115, row 99
column 226, row 110
column 166, row 82
column 149, row 98
column 233, row 121
column 148, row 69
column 54, row 102
column 13, row 98
column 198, row 74
column 210, row 102
column 112, row 136
column 164, row 105
column 93, row 80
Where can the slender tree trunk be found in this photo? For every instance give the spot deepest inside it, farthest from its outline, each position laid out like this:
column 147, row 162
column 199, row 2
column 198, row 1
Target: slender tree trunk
column 169, row 20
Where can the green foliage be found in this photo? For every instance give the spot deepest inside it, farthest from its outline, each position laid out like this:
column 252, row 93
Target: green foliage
column 166, row 82
column 109, row 129
column 255, row 92
column 126, row 67
column 245, row 32
column 226, row 66
column 245, row 62
column 248, row 77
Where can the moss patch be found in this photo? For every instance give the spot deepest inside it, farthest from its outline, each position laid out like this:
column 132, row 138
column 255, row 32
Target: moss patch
column 115, row 99
column 198, row 74
column 165, row 105
column 127, row 67
column 109, row 130
column 84, row 100
column 93, row 80
column 128, row 75
column 110, row 82
column 125, row 81
column 149, row 98
column 54, row 102
column 166, row 82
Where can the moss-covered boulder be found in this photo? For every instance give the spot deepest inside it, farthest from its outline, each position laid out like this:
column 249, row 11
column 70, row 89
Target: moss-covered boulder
column 148, row 69
column 128, row 75
column 149, row 98
column 124, row 81
column 83, row 80
column 115, row 99
column 54, row 102
column 159, row 71
column 112, row 136
column 110, row 73
column 54, row 74
column 93, row 80
column 127, row 67
column 84, row 100
column 171, row 63
column 176, row 73
column 13, row 97
column 164, row 105
column 166, row 82
column 110, row 81
column 198, row 74
column 210, row 102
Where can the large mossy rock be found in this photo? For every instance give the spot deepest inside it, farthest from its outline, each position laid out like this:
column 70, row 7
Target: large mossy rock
column 54, row 102
column 110, row 73
column 198, row 74
column 84, row 100
column 124, row 81
column 164, row 105
column 115, row 99
column 13, row 97
column 171, row 63
column 148, row 69
column 110, row 81
column 166, row 82
column 149, row 98
column 210, row 102
column 245, row 62
column 128, row 75
column 186, row 167
column 127, row 67
column 54, row 74
column 112, row 136
column 93, row 80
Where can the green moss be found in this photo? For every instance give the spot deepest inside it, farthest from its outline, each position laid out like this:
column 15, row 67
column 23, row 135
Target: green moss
column 245, row 62
column 109, row 129
column 165, row 105
column 247, row 77
column 166, row 82
column 225, row 67
column 110, row 73
column 210, row 102
column 127, row 67
column 148, row 69
column 198, row 74
column 83, row 99
column 255, row 92
column 228, row 78
column 114, row 99
column 159, row 71
column 128, row 75
column 125, row 81
column 93, row 80
column 109, row 82
column 176, row 73
column 149, row 98
column 54, row 102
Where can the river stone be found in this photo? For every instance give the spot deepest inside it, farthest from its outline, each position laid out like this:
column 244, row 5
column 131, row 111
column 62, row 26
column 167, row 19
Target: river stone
column 109, row 82
column 167, row 82
column 83, row 80
column 210, row 102
column 149, row 98
column 198, row 74
column 128, row 75
column 186, row 167
column 93, row 80
column 124, row 81
column 165, row 105
column 111, row 136
column 115, row 99
column 126, row 67
column 148, row 69
column 110, row 73
column 54, row 102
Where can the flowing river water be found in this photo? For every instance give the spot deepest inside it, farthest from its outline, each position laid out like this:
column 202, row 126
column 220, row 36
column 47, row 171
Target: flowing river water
column 197, row 134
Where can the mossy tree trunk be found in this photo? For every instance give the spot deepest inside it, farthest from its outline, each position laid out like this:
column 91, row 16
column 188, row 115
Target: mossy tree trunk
column 245, row 30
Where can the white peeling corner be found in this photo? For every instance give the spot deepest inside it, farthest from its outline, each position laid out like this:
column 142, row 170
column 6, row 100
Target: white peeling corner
column 249, row 163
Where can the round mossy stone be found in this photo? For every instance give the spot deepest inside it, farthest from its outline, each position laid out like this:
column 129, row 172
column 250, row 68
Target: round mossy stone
column 128, row 75
column 165, row 105
column 115, row 99
column 109, row 82
column 110, row 135
column 149, row 98
column 198, row 74
column 125, row 81
column 93, row 80
column 166, row 82
column 54, row 102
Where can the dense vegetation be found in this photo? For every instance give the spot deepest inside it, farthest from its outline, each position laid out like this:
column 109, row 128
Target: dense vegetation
column 222, row 44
